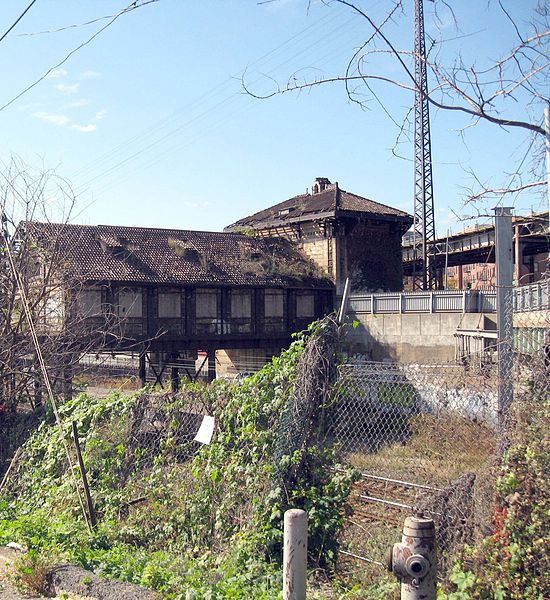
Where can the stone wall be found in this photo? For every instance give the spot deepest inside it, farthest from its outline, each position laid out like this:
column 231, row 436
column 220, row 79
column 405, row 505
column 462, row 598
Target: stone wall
column 322, row 250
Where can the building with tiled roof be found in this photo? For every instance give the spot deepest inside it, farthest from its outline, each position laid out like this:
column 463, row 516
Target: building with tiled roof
column 141, row 255
column 345, row 234
column 171, row 293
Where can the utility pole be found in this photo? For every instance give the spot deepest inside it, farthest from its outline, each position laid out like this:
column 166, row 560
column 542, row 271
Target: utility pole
column 505, row 299
column 424, row 268
column 547, row 127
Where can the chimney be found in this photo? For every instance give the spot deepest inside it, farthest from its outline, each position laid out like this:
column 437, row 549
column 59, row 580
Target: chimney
column 319, row 184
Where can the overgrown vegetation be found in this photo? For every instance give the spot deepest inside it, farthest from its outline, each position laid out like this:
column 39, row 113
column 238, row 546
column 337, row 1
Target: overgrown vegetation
column 278, row 259
column 174, row 515
column 514, row 562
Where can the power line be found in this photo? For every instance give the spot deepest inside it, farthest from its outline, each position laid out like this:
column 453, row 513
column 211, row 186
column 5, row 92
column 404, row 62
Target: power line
column 341, row 30
column 18, row 19
column 165, row 122
column 129, row 8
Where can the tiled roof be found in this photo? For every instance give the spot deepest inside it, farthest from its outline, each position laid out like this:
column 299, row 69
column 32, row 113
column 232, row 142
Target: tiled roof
column 329, row 203
column 171, row 256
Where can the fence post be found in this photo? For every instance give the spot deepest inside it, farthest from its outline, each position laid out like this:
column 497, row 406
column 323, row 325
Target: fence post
column 414, row 560
column 295, row 554
column 345, row 301
column 505, row 326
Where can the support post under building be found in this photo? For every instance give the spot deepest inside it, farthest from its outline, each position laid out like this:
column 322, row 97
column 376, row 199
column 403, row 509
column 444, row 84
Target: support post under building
column 211, row 365
column 142, row 369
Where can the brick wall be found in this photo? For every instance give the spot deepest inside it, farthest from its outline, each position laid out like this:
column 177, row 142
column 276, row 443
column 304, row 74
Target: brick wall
column 374, row 260
column 369, row 253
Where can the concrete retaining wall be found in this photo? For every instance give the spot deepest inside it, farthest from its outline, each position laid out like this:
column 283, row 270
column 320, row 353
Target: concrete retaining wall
column 412, row 338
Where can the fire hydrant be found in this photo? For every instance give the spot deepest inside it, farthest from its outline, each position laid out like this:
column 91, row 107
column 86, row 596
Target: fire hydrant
column 414, row 560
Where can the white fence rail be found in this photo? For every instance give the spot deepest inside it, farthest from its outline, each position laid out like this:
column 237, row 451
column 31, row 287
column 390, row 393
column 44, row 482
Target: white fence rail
column 526, row 298
column 467, row 301
column 535, row 296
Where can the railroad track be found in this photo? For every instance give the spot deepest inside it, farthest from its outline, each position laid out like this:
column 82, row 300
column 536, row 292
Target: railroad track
column 380, row 505
column 385, row 499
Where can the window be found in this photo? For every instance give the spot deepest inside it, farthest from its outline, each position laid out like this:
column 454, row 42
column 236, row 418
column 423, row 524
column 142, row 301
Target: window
column 207, row 311
column 274, row 305
column 130, row 303
column 130, row 311
column 169, row 304
column 274, row 310
column 53, row 310
column 241, row 304
column 89, row 302
column 240, row 311
column 207, row 304
column 170, row 311
column 305, row 305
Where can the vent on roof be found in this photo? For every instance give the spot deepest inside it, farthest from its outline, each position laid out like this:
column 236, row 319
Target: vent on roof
column 286, row 211
column 185, row 249
column 108, row 240
column 117, row 245
column 319, row 184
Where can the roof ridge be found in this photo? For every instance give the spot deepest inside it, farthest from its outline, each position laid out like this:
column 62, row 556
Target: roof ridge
column 375, row 202
column 100, row 226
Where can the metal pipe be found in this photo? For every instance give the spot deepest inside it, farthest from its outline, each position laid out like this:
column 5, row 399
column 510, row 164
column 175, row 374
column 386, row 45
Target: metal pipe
column 504, row 257
column 389, row 502
column 396, row 504
column 344, row 305
column 363, row 558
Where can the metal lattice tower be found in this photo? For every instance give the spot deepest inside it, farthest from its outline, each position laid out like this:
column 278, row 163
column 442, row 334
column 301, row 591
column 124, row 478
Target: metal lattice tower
column 424, row 272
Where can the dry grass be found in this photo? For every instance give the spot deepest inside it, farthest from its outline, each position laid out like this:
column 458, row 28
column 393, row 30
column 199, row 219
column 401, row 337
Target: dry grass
column 439, row 450
column 30, row 574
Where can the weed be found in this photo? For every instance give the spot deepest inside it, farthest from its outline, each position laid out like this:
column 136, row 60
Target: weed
column 209, row 518
column 30, row 572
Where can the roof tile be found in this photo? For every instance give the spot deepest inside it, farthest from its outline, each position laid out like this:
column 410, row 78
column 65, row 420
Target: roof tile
column 177, row 257
column 331, row 202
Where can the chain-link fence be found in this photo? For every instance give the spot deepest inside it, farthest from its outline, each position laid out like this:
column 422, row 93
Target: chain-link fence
column 421, row 435
column 424, row 438
column 428, row 438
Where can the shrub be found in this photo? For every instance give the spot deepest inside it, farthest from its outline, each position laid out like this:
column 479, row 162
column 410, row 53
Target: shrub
column 514, row 562
column 174, row 514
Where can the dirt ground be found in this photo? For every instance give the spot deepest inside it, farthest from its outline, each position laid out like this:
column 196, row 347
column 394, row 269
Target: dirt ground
column 7, row 592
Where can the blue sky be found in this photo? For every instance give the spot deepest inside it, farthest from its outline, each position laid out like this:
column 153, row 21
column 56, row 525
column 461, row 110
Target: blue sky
column 150, row 124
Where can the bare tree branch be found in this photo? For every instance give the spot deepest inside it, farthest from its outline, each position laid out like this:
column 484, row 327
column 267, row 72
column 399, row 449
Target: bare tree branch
column 468, row 90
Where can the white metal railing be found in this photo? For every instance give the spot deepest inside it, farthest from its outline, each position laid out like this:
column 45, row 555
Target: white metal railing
column 466, row 301
column 535, row 296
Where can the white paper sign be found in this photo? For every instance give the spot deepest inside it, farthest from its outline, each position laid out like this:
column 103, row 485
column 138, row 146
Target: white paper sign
column 206, row 430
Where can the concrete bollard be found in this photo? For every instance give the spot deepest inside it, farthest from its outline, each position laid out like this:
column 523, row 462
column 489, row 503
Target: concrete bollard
column 414, row 560
column 295, row 555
